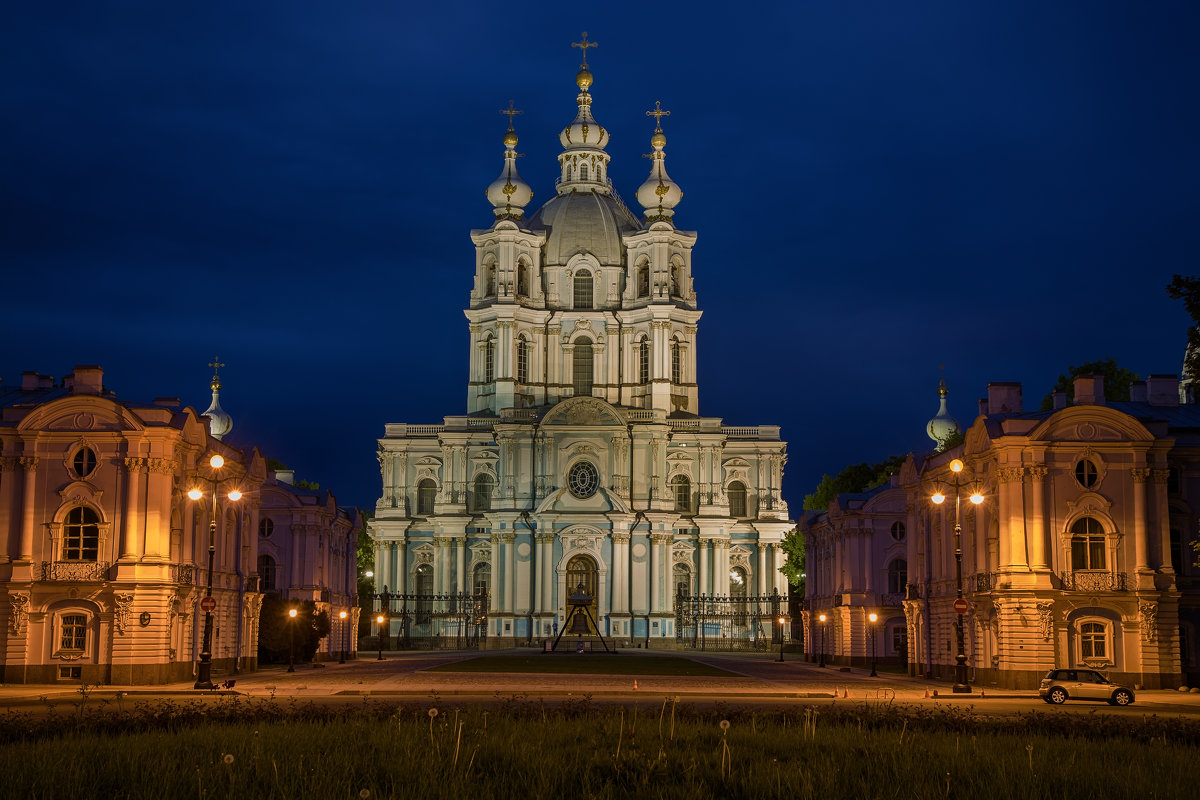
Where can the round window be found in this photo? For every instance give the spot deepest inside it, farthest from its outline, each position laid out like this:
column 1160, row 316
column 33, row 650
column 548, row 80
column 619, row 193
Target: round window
column 898, row 530
column 84, row 462
column 265, row 527
column 1086, row 473
column 583, row 479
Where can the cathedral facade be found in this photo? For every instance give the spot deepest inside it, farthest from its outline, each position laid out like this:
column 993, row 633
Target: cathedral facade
column 582, row 460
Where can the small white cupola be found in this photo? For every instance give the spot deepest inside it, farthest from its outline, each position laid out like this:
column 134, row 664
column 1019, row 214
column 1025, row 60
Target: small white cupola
column 219, row 423
column 583, row 160
column 508, row 194
column 943, row 426
column 659, row 194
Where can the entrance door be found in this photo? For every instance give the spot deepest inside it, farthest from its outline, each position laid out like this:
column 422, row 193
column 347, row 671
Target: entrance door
column 582, row 570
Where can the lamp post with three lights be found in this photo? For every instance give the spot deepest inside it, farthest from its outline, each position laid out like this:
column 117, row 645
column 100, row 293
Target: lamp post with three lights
column 821, row 659
column 345, row 626
column 873, row 618
column 291, row 640
column 204, row 666
column 961, row 686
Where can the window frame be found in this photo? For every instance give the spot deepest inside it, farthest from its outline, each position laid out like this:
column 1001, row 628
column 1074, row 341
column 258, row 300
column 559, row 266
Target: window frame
column 1084, row 545
column 266, row 527
column 583, row 294
column 82, row 453
column 482, row 489
column 737, row 489
column 676, row 362
column 82, row 548
column 1087, row 473
column 897, row 575
column 899, row 530
column 522, row 360
column 489, row 359
column 1089, row 632
column 426, row 491
column 681, row 491
column 583, row 375
column 268, row 572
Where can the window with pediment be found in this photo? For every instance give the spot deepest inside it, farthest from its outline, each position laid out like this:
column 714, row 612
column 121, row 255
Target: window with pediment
column 1088, row 545
column 581, row 367
column 681, row 488
column 583, row 290
column 81, row 535
column 426, row 493
column 737, row 499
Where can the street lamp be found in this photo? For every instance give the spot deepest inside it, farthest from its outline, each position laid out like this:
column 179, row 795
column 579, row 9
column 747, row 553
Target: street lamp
column 960, row 660
column 204, row 667
column 781, row 621
column 342, row 617
column 821, row 659
column 291, row 640
column 873, row 617
column 379, row 635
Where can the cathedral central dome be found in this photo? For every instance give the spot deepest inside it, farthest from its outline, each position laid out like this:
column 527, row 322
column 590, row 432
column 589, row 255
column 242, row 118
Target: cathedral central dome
column 583, row 222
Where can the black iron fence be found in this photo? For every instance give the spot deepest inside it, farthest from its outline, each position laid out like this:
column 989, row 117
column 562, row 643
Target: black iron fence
column 714, row 622
column 432, row 621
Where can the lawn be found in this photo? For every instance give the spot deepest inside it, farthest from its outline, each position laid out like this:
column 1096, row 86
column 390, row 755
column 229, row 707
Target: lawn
column 587, row 664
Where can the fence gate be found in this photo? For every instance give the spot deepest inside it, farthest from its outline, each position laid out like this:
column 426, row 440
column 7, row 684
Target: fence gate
column 714, row 622
column 435, row 621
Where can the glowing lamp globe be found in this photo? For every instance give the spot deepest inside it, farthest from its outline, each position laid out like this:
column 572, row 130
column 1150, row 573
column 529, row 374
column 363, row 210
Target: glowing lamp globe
column 976, row 498
column 956, row 465
column 195, row 494
column 235, row 495
column 216, row 462
column 938, row 498
column 291, row 612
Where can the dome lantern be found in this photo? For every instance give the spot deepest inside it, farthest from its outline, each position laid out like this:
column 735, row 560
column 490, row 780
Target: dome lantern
column 659, row 194
column 509, row 194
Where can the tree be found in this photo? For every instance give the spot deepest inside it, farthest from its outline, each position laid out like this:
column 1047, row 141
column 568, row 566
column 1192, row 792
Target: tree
column 793, row 566
column 951, row 440
column 1117, row 381
column 855, row 478
column 307, row 629
column 1188, row 290
column 366, row 586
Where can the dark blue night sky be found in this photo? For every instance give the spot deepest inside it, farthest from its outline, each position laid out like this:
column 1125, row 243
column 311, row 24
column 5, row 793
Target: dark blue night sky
column 879, row 187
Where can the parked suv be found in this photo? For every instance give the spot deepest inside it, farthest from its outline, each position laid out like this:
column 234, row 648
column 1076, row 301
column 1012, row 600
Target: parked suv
column 1082, row 684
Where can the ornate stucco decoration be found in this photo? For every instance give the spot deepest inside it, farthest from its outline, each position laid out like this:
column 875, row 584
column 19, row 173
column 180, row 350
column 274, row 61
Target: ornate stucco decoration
column 423, row 554
column 1045, row 611
column 123, row 603
column 1148, row 617
column 20, row 613
column 583, row 539
column 582, row 411
column 739, row 556
column 682, row 553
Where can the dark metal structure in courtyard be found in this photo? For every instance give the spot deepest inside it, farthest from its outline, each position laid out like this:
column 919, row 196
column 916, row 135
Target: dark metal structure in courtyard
column 732, row 622
column 434, row 621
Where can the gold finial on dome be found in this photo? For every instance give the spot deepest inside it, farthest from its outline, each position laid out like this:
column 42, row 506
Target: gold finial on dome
column 216, row 379
column 659, row 139
column 584, row 45
column 510, row 136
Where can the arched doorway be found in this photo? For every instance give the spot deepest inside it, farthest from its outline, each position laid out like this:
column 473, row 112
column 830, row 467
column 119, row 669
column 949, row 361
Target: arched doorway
column 582, row 570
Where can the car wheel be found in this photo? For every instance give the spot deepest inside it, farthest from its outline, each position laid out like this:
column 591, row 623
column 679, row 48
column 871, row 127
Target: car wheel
column 1121, row 698
column 1057, row 696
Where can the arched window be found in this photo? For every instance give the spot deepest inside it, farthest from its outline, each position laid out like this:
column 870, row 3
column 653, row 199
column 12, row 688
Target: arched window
column 489, row 359
column 681, row 488
column 583, row 172
column 897, row 575
column 424, row 594
column 1087, row 545
column 644, row 361
column 489, row 279
column 676, row 280
column 581, row 367
column 483, row 579
column 676, row 361
column 643, row 280
column 483, row 492
column 522, row 279
column 81, row 535
column 426, row 492
column 84, row 462
column 266, row 573
column 683, row 579
column 266, row 527
column 898, row 531
column 1093, row 640
column 737, row 499
column 522, row 360
column 739, row 586
column 583, row 289
column 582, row 571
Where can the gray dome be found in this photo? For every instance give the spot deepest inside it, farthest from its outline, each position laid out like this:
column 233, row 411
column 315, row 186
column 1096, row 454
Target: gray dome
column 583, row 222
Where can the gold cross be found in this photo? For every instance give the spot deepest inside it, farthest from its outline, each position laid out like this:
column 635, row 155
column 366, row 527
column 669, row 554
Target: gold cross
column 216, row 364
column 511, row 111
column 658, row 114
column 584, row 45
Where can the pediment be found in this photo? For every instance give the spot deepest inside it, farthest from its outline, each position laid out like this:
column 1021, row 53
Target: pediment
column 489, row 456
column 427, row 461
column 1091, row 424
column 81, row 413
column 583, row 411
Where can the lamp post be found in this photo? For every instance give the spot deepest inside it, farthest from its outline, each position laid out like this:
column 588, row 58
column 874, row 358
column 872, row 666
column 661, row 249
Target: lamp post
column 873, row 617
column 960, row 660
column 342, row 617
column 379, row 637
column 781, row 621
column 291, row 640
column 821, row 658
column 204, row 667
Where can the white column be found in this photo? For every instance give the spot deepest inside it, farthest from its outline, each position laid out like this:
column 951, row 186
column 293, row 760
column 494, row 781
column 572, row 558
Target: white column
column 548, row 583
column 656, row 577
column 494, row 598
column 620, row 570
column 461, row 547
column 721, row 568
column 1037, row 527
column 510, row 572
column 762, row 569
column 1140, row 537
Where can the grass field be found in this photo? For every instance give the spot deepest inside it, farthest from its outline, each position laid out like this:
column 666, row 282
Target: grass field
column 266, row 749
column 589, row 664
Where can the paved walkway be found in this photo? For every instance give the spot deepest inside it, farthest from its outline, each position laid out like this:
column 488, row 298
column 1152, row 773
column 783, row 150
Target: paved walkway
column 759, row 677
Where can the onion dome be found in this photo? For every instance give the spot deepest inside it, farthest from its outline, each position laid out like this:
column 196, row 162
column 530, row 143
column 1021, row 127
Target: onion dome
column 943, row 426
column 659, row 194
column 219, row 423
column 583, row 160
column 508, row 194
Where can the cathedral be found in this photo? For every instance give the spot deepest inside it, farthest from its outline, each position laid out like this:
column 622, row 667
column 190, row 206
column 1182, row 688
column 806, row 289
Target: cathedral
column 583, row 467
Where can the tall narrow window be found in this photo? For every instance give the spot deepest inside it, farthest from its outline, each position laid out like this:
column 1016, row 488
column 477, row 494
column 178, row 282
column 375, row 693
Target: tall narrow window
column 522, row 360
column 522, row 280
column 676, row 280
column 644, row 361
column 583, row 172
column 483, row 579
column 676, row 362
column 74, row 632
column 1093, row 639
column 581, row 368
column 683, row 580
column 897, row 575
column 266, row 573
column 681, row 487
column 737, row 499
column 489, row 360
column 1087, row 545
column 489, row 279
column 483, row 492
column 583, row 289
column 81, row 535
column 424, row 594
column 426, row 492
column 643, row 280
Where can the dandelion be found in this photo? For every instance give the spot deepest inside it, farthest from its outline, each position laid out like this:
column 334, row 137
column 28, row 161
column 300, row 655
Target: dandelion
column 228, row 758
column 724, row 724
column 364, row 793
column 433, row 712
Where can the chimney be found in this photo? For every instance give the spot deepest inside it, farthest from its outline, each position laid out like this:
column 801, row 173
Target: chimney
column 1162, row 390
column 1137, row 392
column 1089, row 390
column 983, row 407
column 1004, row 398
column 29, row 381
column 167, row 402
column 287, row 476
column 1059, row 399
column 88, row 380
